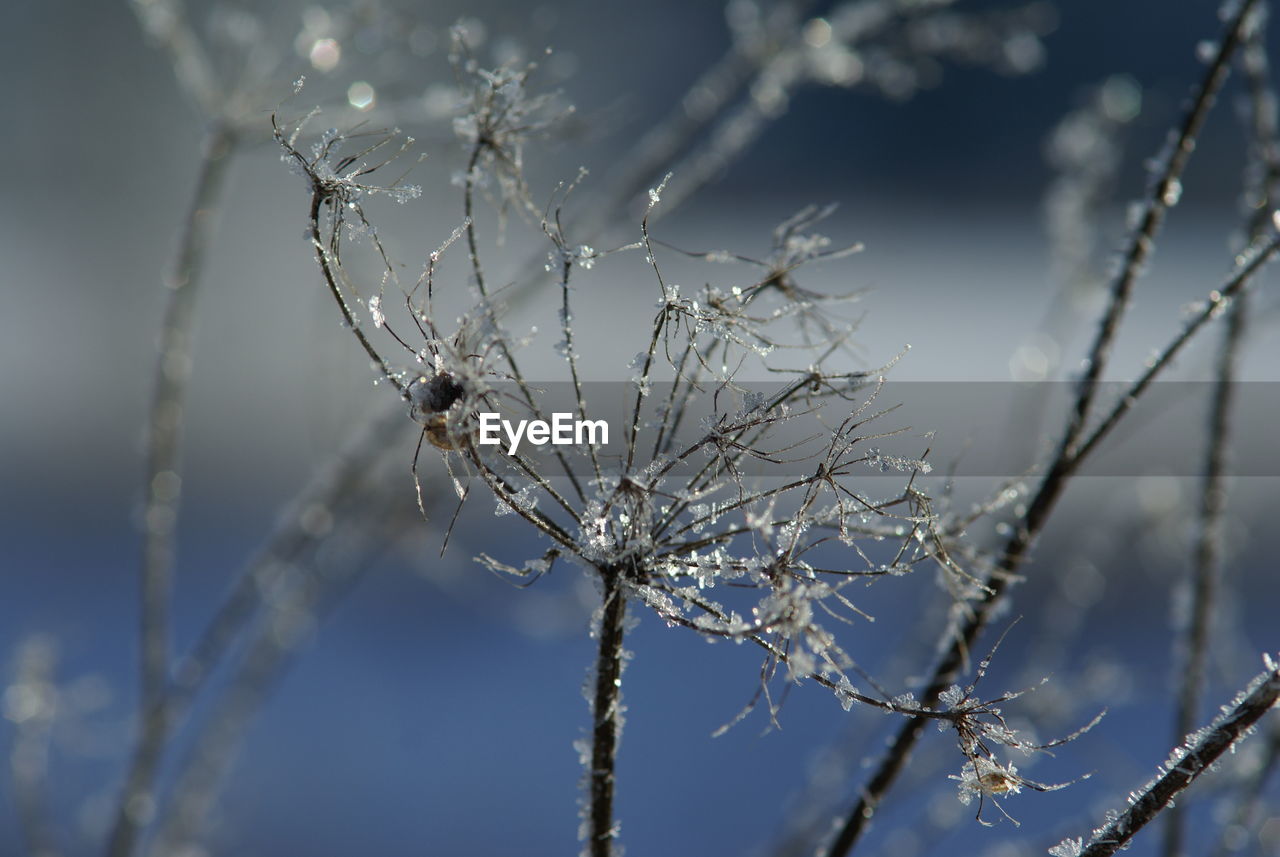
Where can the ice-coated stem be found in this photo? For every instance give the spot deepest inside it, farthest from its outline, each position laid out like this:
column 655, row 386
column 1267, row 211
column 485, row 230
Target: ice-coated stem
column 606, row 716
column 1074, row 445
column 1195, row 760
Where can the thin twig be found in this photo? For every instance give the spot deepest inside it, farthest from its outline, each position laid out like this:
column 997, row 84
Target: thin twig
column 1205, row 574
column 473, row 249
column 1068, row 456
column 1189, row 762
column 322, row 582
column 303, row 527
column 1165, row 193
column 1248, row 262
column 716, row 89
column 168, row 23
column 328, row 265
column 163, row 486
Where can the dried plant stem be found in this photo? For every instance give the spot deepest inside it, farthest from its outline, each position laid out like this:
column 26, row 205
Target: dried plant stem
column 170, row 26
column 606, row 714
column 718, row 88
column 473, row 249
column 1261, row 185
column 1205, row 574
column 553, row 228
column 337, row 489
column 268, row 653
column 733, row 134
column 1015, row 553
column 326, row 259
column 1070, row 453
column 1248, row 262
column 302, row 529
column 1166, row 191
column 650, row 158
column 287, row 566
column 1213, row 743
column 163, row 486
column 468, row 214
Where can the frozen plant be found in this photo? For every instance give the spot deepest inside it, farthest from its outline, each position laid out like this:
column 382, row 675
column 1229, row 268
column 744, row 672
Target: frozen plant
column 768, row 513
column 672, row 520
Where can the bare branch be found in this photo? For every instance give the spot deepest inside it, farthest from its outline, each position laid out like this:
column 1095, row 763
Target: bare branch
column 1188, row 762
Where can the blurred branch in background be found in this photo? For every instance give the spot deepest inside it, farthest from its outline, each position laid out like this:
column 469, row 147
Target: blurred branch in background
column 1193, row 638
column 1076, row 440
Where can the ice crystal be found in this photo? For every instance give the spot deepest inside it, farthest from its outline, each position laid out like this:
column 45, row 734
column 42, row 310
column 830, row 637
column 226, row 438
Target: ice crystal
column 1068, row 848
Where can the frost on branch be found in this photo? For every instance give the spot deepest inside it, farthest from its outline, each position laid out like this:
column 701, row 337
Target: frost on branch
column 717, row 522
column 1187, row 762
column 979, row 725
column 497, row 114
column 1067, row 848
